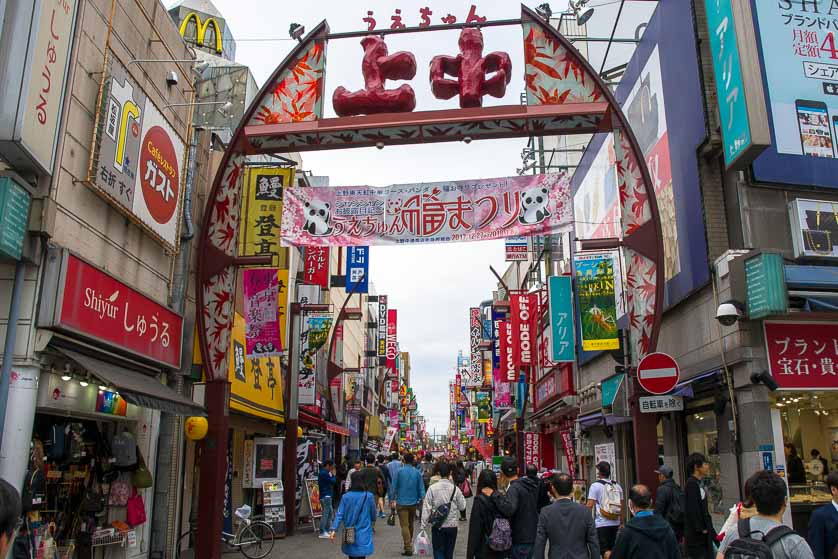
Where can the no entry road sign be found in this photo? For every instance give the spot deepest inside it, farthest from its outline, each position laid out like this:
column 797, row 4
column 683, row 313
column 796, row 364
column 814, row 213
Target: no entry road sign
column 658, row 373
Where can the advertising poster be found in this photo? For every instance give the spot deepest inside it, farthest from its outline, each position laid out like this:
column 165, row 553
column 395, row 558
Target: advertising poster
column 391, row 434
column 605, row 453
column 261, row 209
column 484, row 407
column 315, row 334
column 357, row 269
column 316, row 266
column 392, row 339
column 497, row 317
column 502, row 392
column 439, row 212
column 255, row 381
column 523, row 309
column 562, row 346
column 597, row 306
column 139, row 157
column 313, row 494
column 475, row 335
column 267, row 459
column 382, row 326
column 261, row 297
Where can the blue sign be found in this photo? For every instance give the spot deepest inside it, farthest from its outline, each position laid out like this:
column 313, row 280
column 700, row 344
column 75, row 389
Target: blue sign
column 768, row 460
column 487, row 329
column 800, row 71
column 497, row 316
column 562, row 339
column 358, row 269
column 730, row 88
column 610, row 387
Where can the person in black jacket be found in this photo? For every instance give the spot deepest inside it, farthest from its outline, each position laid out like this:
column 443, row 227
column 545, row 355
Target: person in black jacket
column 520, row 506
column 543, row 495
column 794, row 465
column 669, row 501
column 483, row 515
column 647, row 535
column 699, row 533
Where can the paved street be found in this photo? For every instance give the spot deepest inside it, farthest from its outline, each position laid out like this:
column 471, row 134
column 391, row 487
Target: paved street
column 388, row 543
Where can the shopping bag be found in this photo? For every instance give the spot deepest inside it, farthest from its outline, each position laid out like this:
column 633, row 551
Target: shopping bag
column 135, row 514
column 391, row 520
column 422, row 545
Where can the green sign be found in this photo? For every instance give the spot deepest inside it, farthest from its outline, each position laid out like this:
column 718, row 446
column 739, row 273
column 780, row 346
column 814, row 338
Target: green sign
column 14, row 209
column 766, row 285
column 610, row 387
column 597, row 303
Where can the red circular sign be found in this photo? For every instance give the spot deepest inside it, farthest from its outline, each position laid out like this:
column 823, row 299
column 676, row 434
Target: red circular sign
column 658, row 373
column 159, row 174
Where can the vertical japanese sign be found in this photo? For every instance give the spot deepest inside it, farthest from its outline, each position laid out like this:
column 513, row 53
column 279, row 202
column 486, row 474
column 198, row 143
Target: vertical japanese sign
column 316, row 266
column 597, row 305
column 261, row 296
column 523, row 309
column 509, row 371
column 475, row 335
column 255, row 381
column 261, row 207
column 382, row 327
column 484, row 407
column 562, row 340
column 314, row 336
column 357, row 269
column 532, row 448
column 392, row 345
column 458, row 390
column 497, row 317
column 569, row 452
column 282, row 306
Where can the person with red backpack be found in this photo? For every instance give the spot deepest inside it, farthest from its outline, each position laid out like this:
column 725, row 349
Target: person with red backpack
column 605, row 498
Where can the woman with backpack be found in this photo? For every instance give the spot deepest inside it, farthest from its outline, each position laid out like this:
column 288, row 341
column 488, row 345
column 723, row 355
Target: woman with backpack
column 461, row 479
column 356, row 513
column 484, row 512
column 438, row 511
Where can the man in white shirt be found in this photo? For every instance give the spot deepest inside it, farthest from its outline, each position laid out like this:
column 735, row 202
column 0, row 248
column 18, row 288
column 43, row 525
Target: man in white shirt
column 605, row 499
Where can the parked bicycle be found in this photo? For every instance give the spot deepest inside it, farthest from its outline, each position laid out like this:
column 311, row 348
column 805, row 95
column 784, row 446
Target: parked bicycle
column 253, row 538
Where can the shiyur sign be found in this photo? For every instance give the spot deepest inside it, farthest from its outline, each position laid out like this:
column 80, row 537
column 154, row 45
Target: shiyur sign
column 438, row 212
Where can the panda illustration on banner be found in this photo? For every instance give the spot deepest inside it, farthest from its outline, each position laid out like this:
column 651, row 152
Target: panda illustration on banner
column 534, row 205
column 318, row 218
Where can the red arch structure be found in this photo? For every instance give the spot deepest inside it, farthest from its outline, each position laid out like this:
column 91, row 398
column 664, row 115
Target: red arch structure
column 564, row 96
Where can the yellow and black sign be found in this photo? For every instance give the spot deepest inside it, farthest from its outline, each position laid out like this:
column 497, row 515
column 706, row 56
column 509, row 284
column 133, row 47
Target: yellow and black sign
column 262, row 212
column 201, row 27
column 255, row 383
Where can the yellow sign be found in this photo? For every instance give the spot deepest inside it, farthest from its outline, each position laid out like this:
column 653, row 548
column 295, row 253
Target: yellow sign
column 282, row 306
column 201, row 30
column 262, row 212
column 255, row 383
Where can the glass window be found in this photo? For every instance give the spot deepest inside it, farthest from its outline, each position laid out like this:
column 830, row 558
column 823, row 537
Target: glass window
column 703, row 437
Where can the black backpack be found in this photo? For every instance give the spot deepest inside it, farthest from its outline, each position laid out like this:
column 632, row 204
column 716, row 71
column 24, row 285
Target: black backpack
column 675, row 511
column 746, row 547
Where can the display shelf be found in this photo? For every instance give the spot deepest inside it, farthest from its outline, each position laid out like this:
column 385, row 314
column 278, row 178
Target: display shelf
column 114, row 539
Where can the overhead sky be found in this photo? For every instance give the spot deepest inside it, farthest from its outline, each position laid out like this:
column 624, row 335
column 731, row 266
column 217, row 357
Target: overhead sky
column 431, row 286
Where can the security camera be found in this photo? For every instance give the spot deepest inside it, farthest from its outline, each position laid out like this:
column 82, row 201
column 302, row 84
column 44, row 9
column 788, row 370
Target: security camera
column 765, row 378
column 729, row 312
column 171, row 78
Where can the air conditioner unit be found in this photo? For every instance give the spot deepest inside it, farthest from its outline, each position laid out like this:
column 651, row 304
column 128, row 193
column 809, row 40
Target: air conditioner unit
column 570, row 401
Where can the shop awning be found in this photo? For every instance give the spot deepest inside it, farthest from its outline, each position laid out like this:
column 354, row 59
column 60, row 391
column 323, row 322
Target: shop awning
column 137, row 388
column 816, row 301
column 598, row 418
column 311, row 420
column 339, row 429
column 685, row 388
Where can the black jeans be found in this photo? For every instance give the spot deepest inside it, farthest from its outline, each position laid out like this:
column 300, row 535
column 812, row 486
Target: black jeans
column 443, row 541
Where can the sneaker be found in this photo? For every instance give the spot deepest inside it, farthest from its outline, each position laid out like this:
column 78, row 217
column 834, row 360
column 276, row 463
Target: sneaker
column 381, row 515
column 323, row 536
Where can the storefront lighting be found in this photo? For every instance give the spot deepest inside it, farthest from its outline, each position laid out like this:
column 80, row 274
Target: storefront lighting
column 83, row 383
column 102, row 387
column 67, row 375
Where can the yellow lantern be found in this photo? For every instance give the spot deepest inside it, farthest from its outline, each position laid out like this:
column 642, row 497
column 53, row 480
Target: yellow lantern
column 196, row 428
column 299, row 432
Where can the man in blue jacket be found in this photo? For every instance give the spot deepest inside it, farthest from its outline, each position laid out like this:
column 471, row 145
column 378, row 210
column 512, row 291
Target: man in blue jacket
column 823, row 525
column 326, row 480
column 407, row 491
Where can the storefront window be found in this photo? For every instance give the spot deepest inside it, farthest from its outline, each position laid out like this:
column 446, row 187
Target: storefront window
column 702, row 437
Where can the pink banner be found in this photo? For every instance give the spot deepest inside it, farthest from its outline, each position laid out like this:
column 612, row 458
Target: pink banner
column 261, row 290
column 475, row 210
column 569, row 453
column 502, row 391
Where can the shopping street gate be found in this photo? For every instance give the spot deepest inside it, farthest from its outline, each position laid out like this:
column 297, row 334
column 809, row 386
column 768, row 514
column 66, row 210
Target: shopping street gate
column 564, row 96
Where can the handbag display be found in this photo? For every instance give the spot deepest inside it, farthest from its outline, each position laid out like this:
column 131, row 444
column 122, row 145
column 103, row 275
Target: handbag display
column 141, row 478
column 135, row 514
column 120, row 492
column 349, row 531
column 94, row 500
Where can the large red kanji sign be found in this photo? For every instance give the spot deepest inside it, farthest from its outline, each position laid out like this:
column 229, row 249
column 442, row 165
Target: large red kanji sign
column 803, row 355
column 658, row 373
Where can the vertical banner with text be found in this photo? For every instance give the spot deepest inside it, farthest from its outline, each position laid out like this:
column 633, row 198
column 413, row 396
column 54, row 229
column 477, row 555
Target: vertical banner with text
column 357, row 269
column 392, row 333
column 562, row 340
column 316, row 266
column 382, row 327
column 509, row 371
column 523, row 308
column 261, row 296
column 532, row 448
column 314, row 336
column 261, row 204
column 569, row 452
column 475, row 335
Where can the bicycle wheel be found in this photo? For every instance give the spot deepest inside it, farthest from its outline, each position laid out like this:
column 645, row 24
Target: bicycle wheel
column 256, row 541
column 183, row 549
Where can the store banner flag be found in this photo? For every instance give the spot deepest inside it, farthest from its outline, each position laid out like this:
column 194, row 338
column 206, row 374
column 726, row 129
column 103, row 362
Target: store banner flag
column 475, row 335
column 523, row 308
column 316, row 266
column 262, row 209
column 484, row 407
column 392, row 339
column 509, row 371
column 562, row 338
column 314, row 336
column 450, row 211
column 597, row 304
column 532, row 448
column 502, row 392
column 382, row 326
column 261, row 296
column 497, row 317
column 569, row 452
column 357, row 269
column 388, row 439
column 255, row 381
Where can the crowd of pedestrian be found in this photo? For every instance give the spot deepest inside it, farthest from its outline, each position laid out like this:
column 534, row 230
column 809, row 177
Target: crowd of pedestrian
column 534, row 516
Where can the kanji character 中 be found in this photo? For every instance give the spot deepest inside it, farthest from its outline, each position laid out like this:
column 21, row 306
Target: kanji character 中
column 471, row 70
column 377, row 67
column 396, row 18
column 369, row 20
column 425, row 13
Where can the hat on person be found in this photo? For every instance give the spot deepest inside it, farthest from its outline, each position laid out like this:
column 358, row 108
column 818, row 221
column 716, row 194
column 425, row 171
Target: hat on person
column 509, row 466
column 665, row 471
